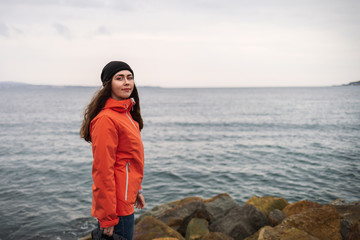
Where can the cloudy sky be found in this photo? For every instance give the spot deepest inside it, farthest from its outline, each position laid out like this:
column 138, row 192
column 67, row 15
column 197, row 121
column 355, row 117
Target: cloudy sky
column 188, row 43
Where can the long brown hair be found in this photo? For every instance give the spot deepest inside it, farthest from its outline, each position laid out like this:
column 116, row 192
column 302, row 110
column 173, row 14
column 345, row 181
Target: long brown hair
column 98, row 102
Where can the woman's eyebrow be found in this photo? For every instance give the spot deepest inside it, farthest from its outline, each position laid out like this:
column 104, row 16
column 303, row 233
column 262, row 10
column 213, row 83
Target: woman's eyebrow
column 123, row 75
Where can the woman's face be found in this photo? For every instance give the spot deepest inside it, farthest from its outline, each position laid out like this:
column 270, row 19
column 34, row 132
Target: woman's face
column 122, row 85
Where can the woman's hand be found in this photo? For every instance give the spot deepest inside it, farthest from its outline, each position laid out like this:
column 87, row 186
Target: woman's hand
column 140, row 201
column 109, row 231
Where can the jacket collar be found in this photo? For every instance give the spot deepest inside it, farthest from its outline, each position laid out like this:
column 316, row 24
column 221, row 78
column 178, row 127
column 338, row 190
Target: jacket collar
column 119, row 106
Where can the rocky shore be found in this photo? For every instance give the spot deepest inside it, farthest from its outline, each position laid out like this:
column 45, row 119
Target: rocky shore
column 260, row 218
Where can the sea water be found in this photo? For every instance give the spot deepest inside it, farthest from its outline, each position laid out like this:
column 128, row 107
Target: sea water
column 296, row 143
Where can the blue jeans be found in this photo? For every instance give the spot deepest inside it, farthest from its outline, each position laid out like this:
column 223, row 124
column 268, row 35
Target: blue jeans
column 125, row 227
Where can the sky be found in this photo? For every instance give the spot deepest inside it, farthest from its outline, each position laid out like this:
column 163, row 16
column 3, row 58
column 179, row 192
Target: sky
column 182, row 43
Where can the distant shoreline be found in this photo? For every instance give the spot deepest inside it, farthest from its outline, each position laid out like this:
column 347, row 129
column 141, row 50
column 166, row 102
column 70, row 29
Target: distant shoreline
column 28, row 85
column 352, row 84
column 8, row 84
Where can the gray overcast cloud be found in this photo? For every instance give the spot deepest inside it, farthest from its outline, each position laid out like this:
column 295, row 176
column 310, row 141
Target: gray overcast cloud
column 182, row 43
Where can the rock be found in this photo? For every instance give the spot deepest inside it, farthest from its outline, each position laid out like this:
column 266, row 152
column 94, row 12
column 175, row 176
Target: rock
column 149, row 228
column 165, row 238
column 341, row 201
column 197, row 228
column 350, row 218
column 351, row 212
column 276, row 216
column 240, row 222
column 338, row 201
column 216, row 236
column 321, row 222
column 175, row 213
column 255, row 236
column 220, row 205
column 350, row 221
column 268, row 203
column 160, row 210
column 307, row 220
column 87, row 237
column 283, row 233
column 175, row 217
column 299, row 207
column 345, row 225
column 201, row 212
column 354, row 233
column 350, row 228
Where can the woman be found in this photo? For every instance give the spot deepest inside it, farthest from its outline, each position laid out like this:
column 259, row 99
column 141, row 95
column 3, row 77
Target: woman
column 112, row 123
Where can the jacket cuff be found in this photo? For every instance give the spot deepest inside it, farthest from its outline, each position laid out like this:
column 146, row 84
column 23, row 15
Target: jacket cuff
column 106, row 224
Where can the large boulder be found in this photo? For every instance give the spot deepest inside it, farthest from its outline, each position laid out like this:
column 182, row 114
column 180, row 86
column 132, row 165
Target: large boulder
column 150, row 228
column 240, row 222
column 276, row 216
column 267, row 204
column 200, row 212
column 166, row 238
column 299, row 207
column 354, row 233
column 220, row 205
column 216, row 236
column 321, row 222
column 350, row 218
column 255, row 236
column 283, row 233
column 314, row 222
column 178, row 213
column 176, row 217
column 161, row 210
column 196, row 229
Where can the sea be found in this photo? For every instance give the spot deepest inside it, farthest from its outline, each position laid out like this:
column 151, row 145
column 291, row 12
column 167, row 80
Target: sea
column 297, row 143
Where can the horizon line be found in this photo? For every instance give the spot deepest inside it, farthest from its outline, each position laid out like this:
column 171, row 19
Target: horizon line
column 13, row 84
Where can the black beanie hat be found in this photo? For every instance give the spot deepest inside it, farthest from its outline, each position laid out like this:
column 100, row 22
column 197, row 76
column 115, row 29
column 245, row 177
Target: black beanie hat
column 112, row 68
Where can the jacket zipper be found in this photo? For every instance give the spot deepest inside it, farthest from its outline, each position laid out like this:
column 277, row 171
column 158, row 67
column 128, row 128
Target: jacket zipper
column 128, row 164
column 131, row 120
column 127, row 179
column 127, row 114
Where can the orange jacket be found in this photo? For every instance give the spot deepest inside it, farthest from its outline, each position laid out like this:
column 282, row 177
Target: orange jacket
column 118, row 162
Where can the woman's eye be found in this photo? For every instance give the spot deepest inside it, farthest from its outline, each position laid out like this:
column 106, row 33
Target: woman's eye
column 119, row 78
